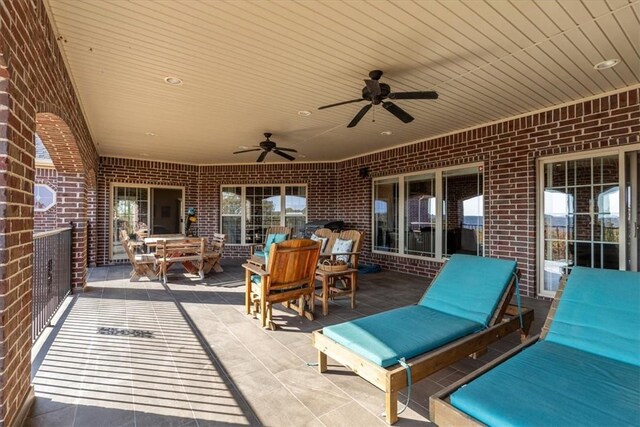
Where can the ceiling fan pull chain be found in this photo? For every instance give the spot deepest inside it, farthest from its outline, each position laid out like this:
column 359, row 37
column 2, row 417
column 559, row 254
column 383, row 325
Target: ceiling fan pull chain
column 373, row 114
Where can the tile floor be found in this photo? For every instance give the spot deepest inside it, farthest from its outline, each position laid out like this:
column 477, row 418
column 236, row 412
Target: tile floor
column 141, row 354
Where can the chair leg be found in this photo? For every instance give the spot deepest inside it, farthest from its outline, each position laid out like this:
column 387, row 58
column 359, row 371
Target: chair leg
column 391, row 407
column 263, row 312
column 322, row 362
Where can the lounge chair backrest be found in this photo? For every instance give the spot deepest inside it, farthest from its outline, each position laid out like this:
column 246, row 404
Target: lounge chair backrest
column 470, row 287
column 599, row 313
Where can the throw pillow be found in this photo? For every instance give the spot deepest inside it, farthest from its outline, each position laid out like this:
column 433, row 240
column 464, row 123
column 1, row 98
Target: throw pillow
column 342, row 246
column 322, row 240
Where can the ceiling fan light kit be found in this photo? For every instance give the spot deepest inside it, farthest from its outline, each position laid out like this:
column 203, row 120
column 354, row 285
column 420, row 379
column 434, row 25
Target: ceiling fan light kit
column 267, row 146
column 377, row 93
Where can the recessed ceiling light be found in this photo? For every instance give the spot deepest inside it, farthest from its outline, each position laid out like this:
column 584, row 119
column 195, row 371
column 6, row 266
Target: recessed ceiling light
column 242, row 147
column 173, row 81
column 386, row 132
column 150, row 134
column 304, row 113
column 144, row 154
column 302, row 156
column 606, row 64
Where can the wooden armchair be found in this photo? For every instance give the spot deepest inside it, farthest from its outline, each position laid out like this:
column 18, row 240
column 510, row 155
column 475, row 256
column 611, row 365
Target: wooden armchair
column 290, row 275
column 275, row 234
column 213, row 254
column 144, row 265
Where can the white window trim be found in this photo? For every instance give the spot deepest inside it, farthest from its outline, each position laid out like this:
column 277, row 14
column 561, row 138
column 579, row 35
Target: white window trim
column 541, row 162
column 243, row 214
column 53, row 203
column 149, row 202
column 439, row 209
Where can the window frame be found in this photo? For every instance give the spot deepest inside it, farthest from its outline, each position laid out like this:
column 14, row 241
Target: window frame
column 243, row 206
column 439, row 187
column 53, row 192
column 540, row 187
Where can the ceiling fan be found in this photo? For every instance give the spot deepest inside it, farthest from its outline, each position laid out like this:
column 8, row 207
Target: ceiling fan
column 267, row 146
column 376, row 93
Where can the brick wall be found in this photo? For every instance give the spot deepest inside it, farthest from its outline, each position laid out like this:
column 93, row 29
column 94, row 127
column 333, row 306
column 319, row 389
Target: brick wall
column 509, row 151
column 202, row 190
column 33, row 80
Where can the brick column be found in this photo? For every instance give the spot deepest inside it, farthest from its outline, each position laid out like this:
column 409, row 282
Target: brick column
column 72, row 208
column 16, row 247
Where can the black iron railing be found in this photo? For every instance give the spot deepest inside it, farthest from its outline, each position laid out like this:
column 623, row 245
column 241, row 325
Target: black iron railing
column 51, row 275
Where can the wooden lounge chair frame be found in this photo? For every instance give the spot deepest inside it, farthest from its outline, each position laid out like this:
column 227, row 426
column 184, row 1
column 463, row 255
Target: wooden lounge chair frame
column 391, row 380
column 440, row 409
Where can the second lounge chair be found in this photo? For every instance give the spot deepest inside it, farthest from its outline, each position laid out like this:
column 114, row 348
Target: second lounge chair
column 465, row 309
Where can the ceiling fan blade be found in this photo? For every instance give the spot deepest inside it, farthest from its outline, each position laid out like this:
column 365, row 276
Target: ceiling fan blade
column 262, row 156
column 287, row 149
column 285, row 155
column 414, row 95
column 359, row 116
column 374, row 87
column 340, row 103
column 397, row 111
column 246, row 151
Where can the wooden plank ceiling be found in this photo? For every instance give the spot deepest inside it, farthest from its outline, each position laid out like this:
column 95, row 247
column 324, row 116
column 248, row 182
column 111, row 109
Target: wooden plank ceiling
column 250, row 67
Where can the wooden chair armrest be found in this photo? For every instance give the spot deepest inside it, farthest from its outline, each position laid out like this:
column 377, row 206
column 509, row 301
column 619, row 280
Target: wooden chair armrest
column 255, row 246
column 254, row 269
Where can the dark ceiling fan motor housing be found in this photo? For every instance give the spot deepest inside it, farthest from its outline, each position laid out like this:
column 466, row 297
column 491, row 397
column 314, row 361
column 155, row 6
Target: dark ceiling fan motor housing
column 377, row 93
column 268, row 146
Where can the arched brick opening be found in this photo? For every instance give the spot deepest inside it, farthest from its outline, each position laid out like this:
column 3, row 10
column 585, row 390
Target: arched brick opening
column 72, row 191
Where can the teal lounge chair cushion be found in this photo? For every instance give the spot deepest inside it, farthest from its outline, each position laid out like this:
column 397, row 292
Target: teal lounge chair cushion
column 599, row 312
column 403, row 332
column 470, row 287
column 550, row 384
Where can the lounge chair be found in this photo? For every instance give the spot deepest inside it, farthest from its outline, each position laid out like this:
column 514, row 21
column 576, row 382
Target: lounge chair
column 583, row 369
column 465, row 309
column 275, row 234
column 213, row 253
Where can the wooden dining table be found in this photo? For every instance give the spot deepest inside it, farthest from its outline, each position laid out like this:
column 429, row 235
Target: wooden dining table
column 184, row 254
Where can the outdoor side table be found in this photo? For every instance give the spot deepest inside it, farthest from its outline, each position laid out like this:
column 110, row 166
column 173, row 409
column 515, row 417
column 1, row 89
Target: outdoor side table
column 330, row 290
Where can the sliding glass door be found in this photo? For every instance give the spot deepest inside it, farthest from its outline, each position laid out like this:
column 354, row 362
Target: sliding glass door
column 585, row 219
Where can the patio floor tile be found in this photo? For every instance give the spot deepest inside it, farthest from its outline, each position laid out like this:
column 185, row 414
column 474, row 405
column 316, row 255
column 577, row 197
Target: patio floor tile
column 186, row 354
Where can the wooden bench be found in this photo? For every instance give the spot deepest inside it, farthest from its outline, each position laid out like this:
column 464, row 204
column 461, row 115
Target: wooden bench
column 189, row 252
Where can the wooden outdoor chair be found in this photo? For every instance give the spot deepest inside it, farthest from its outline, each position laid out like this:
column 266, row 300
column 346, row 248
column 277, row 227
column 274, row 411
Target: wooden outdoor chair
column 275, row 234
column 144, row 265
column 213, row 253
column 582, row 370
column 289, row 276
column 327, row 238
column 347, row 252
column 465, row 309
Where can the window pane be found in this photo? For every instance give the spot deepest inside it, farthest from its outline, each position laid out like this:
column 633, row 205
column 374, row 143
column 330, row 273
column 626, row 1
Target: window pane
column 231, row 226
column 296, row 209
column 385, row 213
column 263, row 206
column 231, row 201
column 420, row 215
column 130, row 213
column 463, row 216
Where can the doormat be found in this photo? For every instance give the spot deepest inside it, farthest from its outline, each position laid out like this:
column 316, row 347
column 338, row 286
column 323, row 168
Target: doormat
column 369, row 268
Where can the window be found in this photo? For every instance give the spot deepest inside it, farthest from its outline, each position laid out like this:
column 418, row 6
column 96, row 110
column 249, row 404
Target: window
column 247, row 211
column 442, row 213
column 44, row 197
column 584, row 218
